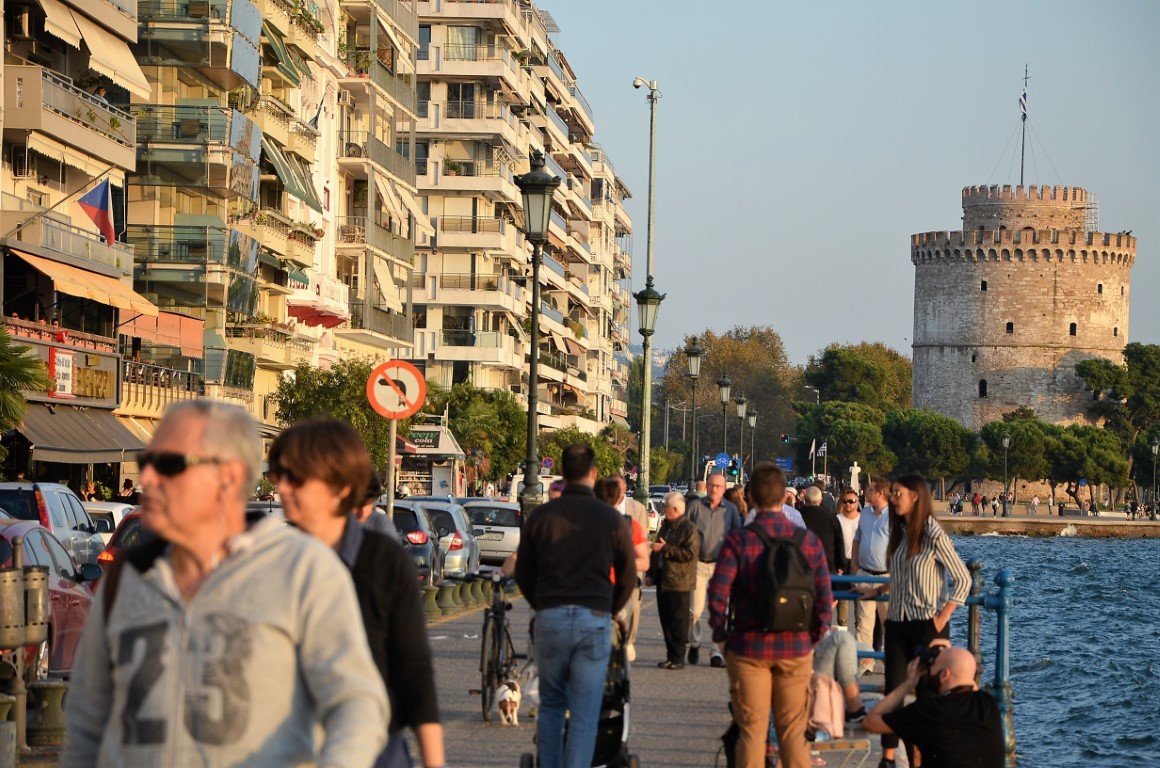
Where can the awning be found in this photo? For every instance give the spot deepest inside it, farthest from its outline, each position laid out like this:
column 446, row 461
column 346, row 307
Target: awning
column 297, row 275
column 400, row 56
column 70, row 435
column 558, row 340
column 574, row 347
column 390, row 197
column 435, row 441
column 302, row 168
column 89, row 285
column 387, row 288
column 110, row 55
column 69, row 156
column 285, row 63
column 619, row 420
column 142, row 429
column 422, row 220
column 281, row 164
column 403, row 445
column 58, row 22
column 269, row 259
column 168, row 329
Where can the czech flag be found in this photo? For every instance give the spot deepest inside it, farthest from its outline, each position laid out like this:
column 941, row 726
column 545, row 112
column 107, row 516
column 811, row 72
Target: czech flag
column 95, row 203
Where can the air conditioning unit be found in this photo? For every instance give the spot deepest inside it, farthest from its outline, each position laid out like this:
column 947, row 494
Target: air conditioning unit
column 345, row 99
column 22, row 23
column 23, row 163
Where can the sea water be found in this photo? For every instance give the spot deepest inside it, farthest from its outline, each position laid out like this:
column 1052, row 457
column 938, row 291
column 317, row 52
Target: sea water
column 1085, row 646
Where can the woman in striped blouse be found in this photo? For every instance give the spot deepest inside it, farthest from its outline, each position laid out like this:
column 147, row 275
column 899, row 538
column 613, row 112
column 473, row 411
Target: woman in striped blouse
column 921, row 558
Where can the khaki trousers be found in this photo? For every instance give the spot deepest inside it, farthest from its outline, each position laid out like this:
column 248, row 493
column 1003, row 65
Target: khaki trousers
column 697, row 606
column 760, row 688
column 869, row 611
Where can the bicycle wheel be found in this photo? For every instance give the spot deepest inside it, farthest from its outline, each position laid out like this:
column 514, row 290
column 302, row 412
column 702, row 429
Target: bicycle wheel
column 488, row 672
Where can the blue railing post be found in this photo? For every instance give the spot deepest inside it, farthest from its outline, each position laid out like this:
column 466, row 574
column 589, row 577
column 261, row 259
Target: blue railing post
column 976, row 568
column 1001, row 687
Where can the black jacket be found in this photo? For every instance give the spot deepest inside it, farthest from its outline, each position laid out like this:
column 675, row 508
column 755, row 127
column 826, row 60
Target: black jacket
column 826, row 527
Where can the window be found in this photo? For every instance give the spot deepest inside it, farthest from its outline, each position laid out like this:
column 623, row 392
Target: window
column 1100, row 288
column 423, row 97
column 36, row 550
column 1010, row 327
column 973, row 357
column 461, row 43
column 1071, row 329
column 982, row 387
column 65, row 566
column 1121, row 290
column 983, row 286
column 424, row 41
column 1116, row 331
column 461, row 100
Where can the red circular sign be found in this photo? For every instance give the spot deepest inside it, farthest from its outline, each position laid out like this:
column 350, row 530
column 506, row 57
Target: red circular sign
column 396, row 389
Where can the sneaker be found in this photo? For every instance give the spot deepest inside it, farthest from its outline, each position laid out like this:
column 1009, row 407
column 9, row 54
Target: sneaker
column 718, row 662
column 866, row 668
column 884, row 763
column 670, row 665
column 694, row 655
column 856, row 717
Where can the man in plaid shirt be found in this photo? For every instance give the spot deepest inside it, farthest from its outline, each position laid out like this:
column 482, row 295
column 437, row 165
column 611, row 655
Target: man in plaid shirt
column 768, row 671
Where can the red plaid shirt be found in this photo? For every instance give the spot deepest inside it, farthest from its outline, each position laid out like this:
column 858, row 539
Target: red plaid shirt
column 737, row 575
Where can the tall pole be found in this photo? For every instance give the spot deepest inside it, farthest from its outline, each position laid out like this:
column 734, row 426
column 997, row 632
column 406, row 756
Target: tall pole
column 725, row 427
column 531, row 494
column 693, row 456
column 641, row 494
column 1023, row 108
column 1006, row 445
column 646, row 396
column 666, row 423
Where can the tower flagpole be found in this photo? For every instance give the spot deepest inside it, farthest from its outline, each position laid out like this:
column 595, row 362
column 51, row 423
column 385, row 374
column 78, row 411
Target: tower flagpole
column 1023, row 109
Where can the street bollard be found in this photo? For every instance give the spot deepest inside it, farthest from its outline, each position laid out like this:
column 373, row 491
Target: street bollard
column 430, row 607
column 477, row 592
column 463, row 595
column 486, row 586
column 46, row 713
column 446, row 601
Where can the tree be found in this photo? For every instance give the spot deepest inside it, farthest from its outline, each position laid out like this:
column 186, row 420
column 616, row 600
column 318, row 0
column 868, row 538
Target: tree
column 553, row 444
column 1127, row 397
column 1026, row 457
column 851, row 431
column 489, row 424
column 19, row 372
column 340, row 393
column 868, row 373
column 933, row 445
column 666, row 465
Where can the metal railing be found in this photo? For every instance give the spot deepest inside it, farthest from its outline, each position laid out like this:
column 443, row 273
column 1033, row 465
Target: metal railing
column 361, row 144
column 553, row 265
column 559, row 121
column 154, row 387
column 64, row 98
column 184, row 123
column 549, row 311
column 466, row 338
column 583, row 102
column 369, row 316
column 65, row 238
column 471, row 224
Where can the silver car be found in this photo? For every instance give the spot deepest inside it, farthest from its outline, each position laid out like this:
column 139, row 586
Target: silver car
column 456, row 537
column 497, row 527
column 59, row 510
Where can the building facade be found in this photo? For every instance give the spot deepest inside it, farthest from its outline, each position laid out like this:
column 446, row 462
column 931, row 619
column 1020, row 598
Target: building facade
column 1005, row 307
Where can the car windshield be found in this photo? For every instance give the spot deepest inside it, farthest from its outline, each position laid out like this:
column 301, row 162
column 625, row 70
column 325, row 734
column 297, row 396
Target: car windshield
column 494, row 516
column 130, row 534
column 405, row 521
column 19, row 504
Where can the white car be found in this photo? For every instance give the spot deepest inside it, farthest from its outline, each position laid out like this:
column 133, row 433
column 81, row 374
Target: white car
column 112, row 512
column 656, row 513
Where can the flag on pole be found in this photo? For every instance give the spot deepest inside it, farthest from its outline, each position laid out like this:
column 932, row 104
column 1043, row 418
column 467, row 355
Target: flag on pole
column 96, row 204
column 822, row 449
column 1023, row 102
column 813, row 445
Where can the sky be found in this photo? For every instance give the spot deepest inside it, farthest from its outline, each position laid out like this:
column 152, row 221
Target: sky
column 800, row 145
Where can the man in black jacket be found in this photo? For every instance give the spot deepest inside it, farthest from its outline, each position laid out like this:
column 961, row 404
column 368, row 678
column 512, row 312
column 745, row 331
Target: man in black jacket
column 568, row 550
column 826, row 527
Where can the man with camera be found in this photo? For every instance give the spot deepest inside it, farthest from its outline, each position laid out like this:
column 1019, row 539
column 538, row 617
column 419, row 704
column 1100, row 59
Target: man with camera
column 951, row 722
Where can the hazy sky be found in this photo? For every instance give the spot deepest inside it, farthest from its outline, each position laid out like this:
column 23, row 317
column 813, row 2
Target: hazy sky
column 800, row 144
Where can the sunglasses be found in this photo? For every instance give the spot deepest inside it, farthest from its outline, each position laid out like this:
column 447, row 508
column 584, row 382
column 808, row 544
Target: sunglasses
column 278, row 474
column 172, row 464
column 849, row 501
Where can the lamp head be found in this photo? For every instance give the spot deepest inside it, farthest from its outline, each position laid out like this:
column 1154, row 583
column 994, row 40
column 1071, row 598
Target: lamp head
column 694, row 352
column 1006, row 441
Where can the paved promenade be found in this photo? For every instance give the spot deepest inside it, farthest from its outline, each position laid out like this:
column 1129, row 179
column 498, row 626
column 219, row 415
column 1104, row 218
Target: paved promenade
column 677, row 717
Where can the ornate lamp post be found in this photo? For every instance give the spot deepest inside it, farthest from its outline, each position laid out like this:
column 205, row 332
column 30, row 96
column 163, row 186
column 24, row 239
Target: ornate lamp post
column 752, row 440
column 723, row 385
column 1155, row 448
column 537, row 187
column 694, row 353
column 1006, row 445
column 741, row 401
column 648, row 303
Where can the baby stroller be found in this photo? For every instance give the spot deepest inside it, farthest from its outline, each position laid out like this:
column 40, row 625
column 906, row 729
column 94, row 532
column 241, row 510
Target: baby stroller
column 612, row 729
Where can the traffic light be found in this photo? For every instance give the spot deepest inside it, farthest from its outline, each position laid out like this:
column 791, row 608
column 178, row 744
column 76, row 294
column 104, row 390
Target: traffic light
column 784, row 437
column 733, row 469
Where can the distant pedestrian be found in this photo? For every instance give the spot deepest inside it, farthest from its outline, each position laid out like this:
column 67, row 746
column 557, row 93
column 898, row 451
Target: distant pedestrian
column 869, row 557
column 976, row 504
column 99, row 94
column 1035, row 504
column 714, row 518
column 567, row 550
column 849, row 512
column 736, row 497
column 994, row 506
column 676, row 550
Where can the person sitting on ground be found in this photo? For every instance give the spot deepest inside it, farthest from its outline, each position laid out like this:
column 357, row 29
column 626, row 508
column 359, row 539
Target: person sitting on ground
column 951, row 722
column 837, row 656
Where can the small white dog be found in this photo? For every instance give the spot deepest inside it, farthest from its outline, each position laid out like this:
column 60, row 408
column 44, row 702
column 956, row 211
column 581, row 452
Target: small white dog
column 507, row 698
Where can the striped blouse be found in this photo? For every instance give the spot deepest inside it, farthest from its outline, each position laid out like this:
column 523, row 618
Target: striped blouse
column 918, row 584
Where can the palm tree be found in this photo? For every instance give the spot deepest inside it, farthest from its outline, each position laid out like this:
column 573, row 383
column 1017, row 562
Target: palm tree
column 473, row 426
column 18, row 371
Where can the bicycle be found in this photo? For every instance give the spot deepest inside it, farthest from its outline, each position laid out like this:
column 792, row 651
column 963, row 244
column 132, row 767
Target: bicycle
column 497, row 654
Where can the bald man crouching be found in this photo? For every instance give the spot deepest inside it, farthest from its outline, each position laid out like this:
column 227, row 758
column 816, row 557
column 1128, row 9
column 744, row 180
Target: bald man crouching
column 951, row 722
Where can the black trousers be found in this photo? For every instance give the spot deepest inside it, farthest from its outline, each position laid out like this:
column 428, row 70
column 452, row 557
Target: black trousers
column 673, row 608
column 902, row 637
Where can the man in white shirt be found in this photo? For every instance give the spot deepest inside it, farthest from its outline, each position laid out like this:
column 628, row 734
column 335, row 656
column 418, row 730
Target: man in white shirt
column 848, row 517
column 869, row 555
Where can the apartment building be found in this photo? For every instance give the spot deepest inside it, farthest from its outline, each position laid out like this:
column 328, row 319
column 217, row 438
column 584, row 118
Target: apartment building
column 492, row 88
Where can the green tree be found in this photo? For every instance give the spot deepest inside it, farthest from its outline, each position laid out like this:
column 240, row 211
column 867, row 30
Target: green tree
column 341, row 393
column 1127, row 397
column 490, row 426
column 868, row 373
column 666, row 465
column 928, row 443
column 553, row 444
column 1025, row 458
column 851, row 431
column 19, row 372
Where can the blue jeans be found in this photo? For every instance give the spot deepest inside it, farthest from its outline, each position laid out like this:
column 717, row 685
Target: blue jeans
column 572, row 649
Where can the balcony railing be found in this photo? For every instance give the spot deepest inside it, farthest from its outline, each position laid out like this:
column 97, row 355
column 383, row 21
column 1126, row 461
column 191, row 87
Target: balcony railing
column 65, row 238
column 471, row 224
column 554, row 65
column 369, row 316
column 472, row 109
column 464, row 338
column 64, row 98
column 152, row 388
column 559, row 121
column 361, row 144
column 554, row 265
column 184, row 124
column 469, row 282
column 55, row 334
column 360, row 230
column 583, row 102
column 549, row 311
column 559, row 221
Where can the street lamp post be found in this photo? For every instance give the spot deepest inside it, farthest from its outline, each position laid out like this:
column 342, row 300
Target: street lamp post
column 693, row 354
column 1155, row 448
column 740, row 401
column 648, row 303
column 752, row 440
column 536, row 187
column 723, row 385
column 1006, row 445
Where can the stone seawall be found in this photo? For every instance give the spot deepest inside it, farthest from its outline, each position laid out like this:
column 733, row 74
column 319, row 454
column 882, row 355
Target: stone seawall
column 1085, row 527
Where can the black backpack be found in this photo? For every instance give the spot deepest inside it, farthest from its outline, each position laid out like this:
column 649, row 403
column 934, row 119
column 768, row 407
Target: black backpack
column 786, row 590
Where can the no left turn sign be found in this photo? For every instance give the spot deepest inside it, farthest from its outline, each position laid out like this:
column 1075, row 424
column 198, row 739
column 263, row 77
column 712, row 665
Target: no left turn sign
column 396, row 389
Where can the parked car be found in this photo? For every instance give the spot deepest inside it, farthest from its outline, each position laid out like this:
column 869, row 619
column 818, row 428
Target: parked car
column 418, row 537
column 656, row 513
column 59, row 510
column 107, row 514
column 659, row 490
column 69, row 595
column 129, row 533
column 456, row 537
column 496, row 527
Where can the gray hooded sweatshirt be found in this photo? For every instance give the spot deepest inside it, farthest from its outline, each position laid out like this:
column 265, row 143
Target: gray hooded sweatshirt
column 266, row 665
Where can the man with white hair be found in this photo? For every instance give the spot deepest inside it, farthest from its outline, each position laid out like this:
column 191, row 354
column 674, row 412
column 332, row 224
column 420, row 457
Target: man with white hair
column 678, row 545
column 218, row 644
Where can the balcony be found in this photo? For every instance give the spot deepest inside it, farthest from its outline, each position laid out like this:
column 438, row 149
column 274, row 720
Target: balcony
column 58, row 236
column 219, row 39
column 269, row 343
column 362, row 64
column 268, row 227
column 487, row 177
column 490, row 347
column 38, row 99
column 490, row 292
column 303, row 140
column 195, row 267
column 494, row 62
column 476, row 232
column 360, row 232
column 147, row 390
column 273, row 118
column 197, row 146
column 323, row 303
column 358, row 147
column 506, row 12
column 373, row 323
column 473, row 118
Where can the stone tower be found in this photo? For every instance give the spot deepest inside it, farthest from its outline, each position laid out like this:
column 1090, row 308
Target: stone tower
column 1005, row 308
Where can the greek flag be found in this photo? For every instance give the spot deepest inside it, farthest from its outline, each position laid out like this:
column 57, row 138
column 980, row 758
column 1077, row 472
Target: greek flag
column 1023, row 102
column 822, row 449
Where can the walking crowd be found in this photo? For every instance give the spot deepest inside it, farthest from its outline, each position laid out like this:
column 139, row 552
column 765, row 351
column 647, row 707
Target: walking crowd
column 168, row 670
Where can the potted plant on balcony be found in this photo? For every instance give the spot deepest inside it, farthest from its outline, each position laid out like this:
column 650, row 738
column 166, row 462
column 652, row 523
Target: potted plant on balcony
column 452, row 167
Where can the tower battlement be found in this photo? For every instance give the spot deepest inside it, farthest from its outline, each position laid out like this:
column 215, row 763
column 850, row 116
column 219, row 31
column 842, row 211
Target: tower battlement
column 980, row 238
column 983, row 194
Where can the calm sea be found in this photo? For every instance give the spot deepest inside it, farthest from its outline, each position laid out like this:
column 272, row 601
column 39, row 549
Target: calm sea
column 1085, row 650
